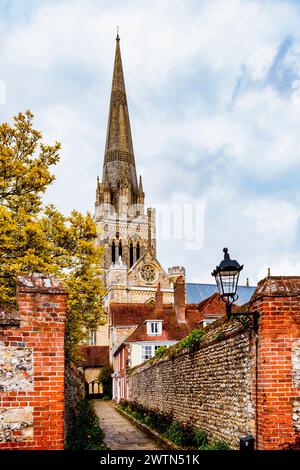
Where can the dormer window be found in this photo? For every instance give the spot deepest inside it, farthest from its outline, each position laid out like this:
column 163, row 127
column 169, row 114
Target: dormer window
column 154, row 327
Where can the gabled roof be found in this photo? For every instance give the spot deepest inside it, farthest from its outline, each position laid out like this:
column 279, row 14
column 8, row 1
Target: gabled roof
column 213, row 305
column 195, row 292
column 94, row 356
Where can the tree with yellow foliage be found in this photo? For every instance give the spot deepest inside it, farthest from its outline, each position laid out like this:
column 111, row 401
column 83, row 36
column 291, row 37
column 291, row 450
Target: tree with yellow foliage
column 34, row 238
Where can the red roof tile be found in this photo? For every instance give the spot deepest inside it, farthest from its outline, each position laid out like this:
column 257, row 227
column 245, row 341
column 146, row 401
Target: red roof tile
column 212, row 305
column 172, row 330
column 129, row 314
column 94, row 356
column 136, row 314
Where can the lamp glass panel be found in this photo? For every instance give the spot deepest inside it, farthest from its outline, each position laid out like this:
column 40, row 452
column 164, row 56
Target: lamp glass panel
column 219, row 283
column 229, row 280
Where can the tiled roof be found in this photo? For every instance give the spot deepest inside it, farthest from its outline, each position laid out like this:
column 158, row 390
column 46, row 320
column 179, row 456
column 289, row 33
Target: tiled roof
column 195, row 293
column 213, row 305
column 94, row 356
column 129, row 314
column 172, row 330
column 126, row 314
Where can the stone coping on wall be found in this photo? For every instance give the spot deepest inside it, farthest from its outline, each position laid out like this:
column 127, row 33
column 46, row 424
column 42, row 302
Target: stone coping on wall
column 40, row 283
column 219, row 330
column 277, row 286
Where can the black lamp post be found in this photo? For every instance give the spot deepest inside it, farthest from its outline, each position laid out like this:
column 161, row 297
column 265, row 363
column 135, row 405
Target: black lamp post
column 227, row 277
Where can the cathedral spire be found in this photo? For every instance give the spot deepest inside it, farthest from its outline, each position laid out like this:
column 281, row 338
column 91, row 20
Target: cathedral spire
column 119, row 162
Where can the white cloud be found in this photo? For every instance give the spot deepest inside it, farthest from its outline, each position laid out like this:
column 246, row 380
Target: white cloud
column 58, row 61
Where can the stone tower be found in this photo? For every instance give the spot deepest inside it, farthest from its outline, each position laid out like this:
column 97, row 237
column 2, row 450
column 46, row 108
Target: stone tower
column 122, row 224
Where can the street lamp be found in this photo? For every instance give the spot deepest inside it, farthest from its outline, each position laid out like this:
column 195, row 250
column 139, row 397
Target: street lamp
column 227, row 277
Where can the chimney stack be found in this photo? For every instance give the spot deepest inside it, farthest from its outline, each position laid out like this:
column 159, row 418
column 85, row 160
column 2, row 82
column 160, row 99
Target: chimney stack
column 179, row 298
column 158, row 298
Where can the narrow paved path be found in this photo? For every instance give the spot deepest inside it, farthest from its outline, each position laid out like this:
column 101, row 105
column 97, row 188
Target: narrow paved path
column 120, row 434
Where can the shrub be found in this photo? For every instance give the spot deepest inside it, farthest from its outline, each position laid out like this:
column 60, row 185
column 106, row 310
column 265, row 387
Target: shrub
column 216, row 445
column 200, row 438
column 106, row 380
column 160, row 351
column 174, row 433
column 85, row 434
column 148, row 421
column 161, row 421
column 106, row 397
column 191, row 341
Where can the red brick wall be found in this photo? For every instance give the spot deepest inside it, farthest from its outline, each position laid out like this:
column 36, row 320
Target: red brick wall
column 34, row 411
column 278, row 393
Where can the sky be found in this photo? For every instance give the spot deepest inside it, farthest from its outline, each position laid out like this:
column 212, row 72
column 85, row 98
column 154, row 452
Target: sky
column 213, row 89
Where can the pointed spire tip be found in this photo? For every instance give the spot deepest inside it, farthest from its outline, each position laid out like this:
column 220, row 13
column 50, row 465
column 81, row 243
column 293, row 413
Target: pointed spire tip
column 118, row 37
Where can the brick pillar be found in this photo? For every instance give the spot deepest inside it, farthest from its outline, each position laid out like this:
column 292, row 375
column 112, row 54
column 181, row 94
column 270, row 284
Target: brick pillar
column 42, row 306
column 32, row 398
column 277, row 391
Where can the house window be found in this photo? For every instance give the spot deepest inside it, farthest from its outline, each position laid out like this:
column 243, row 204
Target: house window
column 149, row 351
column 154, row 327
column 146, row 353
column 93, row 338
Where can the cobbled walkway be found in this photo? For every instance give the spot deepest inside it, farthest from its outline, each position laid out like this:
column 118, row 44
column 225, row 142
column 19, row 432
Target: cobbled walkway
column 120, row 434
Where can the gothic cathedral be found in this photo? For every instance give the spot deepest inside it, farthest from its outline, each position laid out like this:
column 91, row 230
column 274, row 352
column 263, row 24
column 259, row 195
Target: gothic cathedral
column 125, row 229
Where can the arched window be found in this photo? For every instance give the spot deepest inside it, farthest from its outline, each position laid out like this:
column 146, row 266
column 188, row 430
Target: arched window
column 113, row 252
column 120, row 248
column 131, row 254
column 138, row 250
